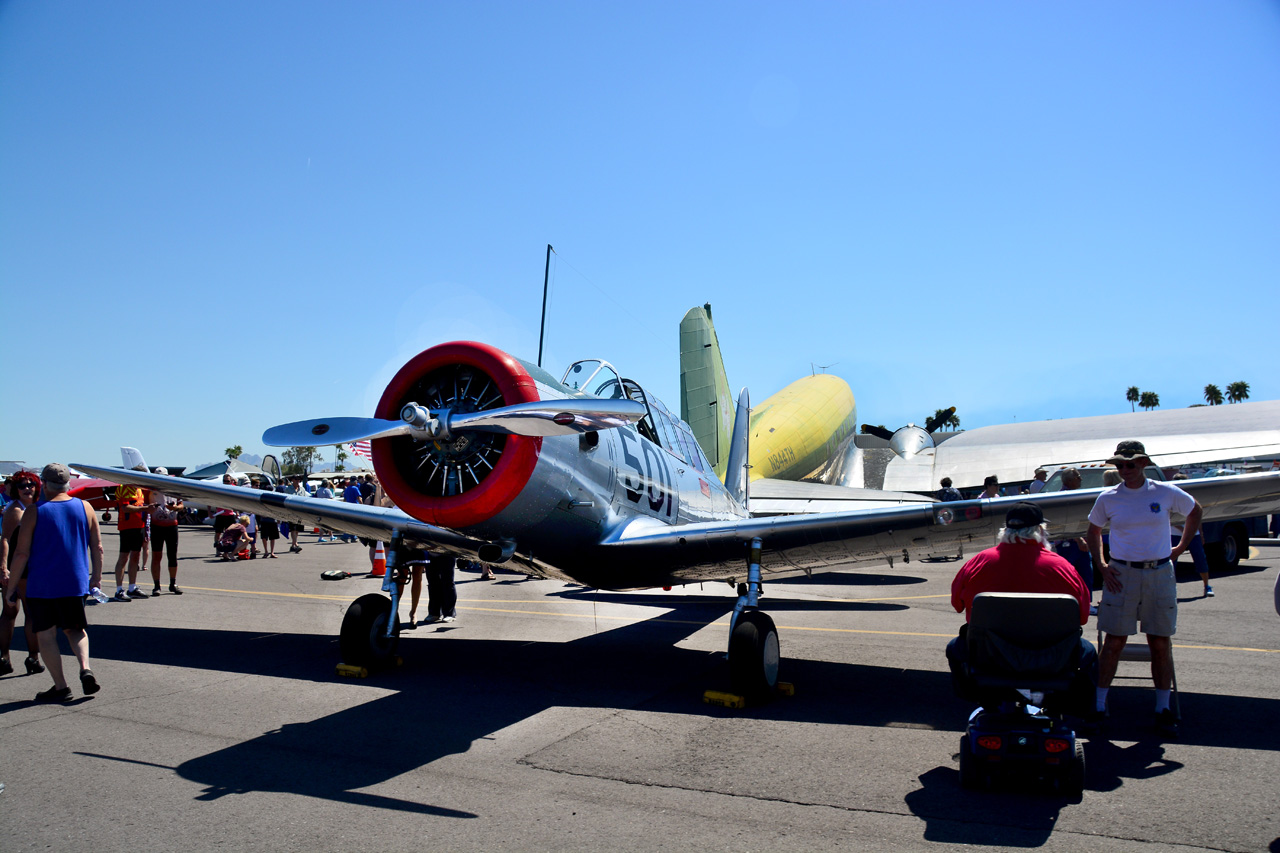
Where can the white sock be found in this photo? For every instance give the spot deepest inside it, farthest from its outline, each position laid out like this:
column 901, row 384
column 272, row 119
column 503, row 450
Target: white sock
column 1102, row 698
column 1162, row 700
column 132, row 587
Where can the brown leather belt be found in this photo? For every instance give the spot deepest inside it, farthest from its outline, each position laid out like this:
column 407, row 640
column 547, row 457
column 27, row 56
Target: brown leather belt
column 1142, row 564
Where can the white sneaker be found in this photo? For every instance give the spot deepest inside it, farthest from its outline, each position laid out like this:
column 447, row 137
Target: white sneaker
column 448, row 619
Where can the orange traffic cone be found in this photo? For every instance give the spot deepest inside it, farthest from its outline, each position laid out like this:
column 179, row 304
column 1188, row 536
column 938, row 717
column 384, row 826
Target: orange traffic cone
column 379, row 562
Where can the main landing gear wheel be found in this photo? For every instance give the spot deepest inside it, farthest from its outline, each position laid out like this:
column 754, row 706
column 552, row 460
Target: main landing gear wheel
column 753, row 656
column 363, row 641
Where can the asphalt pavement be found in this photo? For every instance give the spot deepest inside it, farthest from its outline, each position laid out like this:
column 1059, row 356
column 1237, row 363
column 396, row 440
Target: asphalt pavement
column 552, row 717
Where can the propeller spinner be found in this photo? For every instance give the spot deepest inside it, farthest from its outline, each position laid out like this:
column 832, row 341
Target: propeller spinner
column 911, row 440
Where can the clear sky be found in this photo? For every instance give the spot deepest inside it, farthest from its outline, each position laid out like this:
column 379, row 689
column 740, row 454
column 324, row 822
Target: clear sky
column 218, row 217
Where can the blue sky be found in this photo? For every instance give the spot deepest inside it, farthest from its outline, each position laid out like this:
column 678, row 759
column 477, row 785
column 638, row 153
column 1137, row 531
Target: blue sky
column 219, row 217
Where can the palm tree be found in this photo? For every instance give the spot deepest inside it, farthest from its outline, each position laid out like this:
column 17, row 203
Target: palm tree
column 1133, row 396
column 1238, row 392
column 1149, row 400
column 954, row 421
column 1213, row 395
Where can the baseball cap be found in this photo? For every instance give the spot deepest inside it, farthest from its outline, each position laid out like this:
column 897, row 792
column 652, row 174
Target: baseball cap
column 56, row 474
column 164, row 471
column 1023, row 515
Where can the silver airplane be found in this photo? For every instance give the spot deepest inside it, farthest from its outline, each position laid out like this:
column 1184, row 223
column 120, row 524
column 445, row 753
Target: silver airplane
column 590, row 479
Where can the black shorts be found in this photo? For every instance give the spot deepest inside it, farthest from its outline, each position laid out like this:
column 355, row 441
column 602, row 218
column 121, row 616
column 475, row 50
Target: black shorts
column 131, row 540
column 268, row 528
column 163, row 535
column 64, row 613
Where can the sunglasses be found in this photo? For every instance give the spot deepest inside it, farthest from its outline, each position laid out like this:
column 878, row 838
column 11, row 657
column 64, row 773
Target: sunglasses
column 1126, row 466
column 26, row 485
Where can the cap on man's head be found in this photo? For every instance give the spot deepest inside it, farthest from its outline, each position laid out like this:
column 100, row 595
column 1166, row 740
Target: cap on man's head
column 1023, row 515
column 56, row 474
column 162, row 471
column 1127, row 451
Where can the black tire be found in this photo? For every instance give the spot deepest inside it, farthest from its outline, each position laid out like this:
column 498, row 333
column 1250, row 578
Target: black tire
column 1072, row 781
column 1226, row 552
column 361, row 642
column 753, row 656
column 969, row 776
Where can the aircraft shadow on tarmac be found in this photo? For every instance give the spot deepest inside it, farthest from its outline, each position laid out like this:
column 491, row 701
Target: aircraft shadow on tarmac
column 454, row 691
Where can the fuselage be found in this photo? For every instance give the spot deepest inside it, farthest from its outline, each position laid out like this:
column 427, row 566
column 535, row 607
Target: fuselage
column 547, row 499
column 798, row 429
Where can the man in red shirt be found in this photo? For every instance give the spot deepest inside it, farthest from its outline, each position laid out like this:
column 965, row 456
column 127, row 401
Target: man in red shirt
column 1020, row 562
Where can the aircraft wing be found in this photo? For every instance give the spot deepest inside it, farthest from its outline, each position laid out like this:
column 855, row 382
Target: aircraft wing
column 825, row 541
column 369, row 521
column 789, row 497
column 647, row 553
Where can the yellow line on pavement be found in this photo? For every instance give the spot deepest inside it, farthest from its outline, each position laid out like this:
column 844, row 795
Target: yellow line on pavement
column 717, row 624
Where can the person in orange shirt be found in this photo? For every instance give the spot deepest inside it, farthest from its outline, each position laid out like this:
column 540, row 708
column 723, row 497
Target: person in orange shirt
column 132, row 528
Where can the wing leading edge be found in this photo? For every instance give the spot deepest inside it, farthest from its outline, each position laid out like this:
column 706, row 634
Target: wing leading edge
column 357, row 519
column 646, row 553
column 656, row 555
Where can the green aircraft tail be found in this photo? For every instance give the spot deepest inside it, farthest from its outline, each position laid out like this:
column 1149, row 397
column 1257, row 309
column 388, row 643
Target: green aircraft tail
column 705, row 403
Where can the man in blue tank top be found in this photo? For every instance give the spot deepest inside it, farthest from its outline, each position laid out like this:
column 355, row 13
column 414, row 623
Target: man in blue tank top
column 59, row 558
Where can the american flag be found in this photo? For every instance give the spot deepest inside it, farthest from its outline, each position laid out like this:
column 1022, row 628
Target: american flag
column 361, row 448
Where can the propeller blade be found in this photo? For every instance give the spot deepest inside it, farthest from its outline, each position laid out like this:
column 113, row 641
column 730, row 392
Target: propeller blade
column 943, row 415
column 325, row 431
column 877, row 431
column 551, row 417
column 539, row 418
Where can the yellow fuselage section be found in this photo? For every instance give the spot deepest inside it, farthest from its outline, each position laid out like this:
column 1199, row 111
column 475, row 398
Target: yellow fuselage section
column 797, row 429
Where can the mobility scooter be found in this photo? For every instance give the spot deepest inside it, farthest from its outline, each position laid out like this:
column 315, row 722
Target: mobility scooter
column 1023, row 664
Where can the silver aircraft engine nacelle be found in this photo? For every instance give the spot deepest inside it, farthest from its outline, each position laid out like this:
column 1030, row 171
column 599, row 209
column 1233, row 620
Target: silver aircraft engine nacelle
column 910, row 441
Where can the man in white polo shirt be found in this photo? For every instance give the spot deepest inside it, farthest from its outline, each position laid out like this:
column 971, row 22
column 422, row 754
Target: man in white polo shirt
column 1138, row 582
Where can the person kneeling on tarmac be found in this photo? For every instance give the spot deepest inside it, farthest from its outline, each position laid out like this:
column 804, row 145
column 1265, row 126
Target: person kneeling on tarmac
column 234, row 539
column 1021, row 562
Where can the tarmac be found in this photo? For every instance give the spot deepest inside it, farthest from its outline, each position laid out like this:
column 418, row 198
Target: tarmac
column 553, row 717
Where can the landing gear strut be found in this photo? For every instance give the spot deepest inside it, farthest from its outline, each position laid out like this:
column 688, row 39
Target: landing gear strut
column 371, row 627
column 753, row 639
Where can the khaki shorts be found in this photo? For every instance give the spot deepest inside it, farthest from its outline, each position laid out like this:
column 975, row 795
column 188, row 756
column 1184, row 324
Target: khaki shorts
column 1146, row 595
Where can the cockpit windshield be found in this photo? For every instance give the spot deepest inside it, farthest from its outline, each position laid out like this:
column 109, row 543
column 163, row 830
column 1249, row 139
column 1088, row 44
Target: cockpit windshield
column 594, row 377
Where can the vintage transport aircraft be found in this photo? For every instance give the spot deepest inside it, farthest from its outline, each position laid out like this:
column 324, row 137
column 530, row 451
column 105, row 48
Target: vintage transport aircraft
column 592, row 480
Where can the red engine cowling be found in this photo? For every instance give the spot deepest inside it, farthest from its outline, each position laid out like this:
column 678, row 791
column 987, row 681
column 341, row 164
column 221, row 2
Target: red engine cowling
column 474, row 475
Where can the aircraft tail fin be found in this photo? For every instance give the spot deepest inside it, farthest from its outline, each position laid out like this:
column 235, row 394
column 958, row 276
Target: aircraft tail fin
column 736, row 474
column 132, row 459
column 705, row 401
